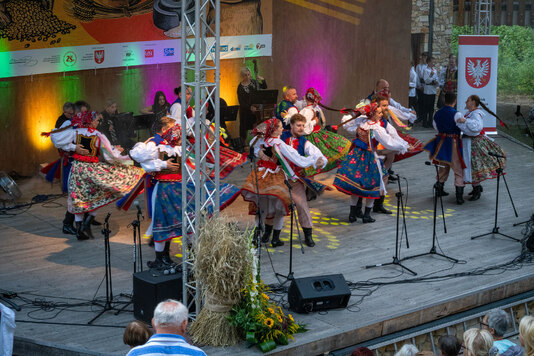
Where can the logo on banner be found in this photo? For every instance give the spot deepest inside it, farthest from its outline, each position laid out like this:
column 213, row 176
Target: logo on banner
column 259, row 46
column 478, row 71
column 168, row 52
column 70, row 59
column 149, row 53
column 99, row 56
column 249, row 47
column 238, row 48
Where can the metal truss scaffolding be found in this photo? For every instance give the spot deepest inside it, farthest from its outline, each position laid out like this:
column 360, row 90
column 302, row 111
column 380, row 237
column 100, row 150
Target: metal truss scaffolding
column 200, row 149
column 482, row 17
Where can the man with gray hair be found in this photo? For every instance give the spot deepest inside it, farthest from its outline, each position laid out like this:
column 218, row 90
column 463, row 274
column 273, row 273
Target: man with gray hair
column 497, row 322
column 170, row 323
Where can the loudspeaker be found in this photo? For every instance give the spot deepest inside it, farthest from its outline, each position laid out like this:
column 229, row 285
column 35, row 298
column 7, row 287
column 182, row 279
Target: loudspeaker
column 318, row 293
column 150, row 288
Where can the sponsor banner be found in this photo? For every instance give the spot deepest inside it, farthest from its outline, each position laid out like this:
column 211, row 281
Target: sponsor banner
column 62, row 59
column 477, row 73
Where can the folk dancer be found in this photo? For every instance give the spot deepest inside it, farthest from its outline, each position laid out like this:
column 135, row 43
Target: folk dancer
column 446, row 148
column 333, row 146
column 360, row 174
column 272, row 170
column 99, row 174
column 480, row 165
column 286, row 108
column 160, row 156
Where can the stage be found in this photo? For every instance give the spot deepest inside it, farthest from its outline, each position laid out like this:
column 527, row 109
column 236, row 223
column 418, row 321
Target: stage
column 57, row 275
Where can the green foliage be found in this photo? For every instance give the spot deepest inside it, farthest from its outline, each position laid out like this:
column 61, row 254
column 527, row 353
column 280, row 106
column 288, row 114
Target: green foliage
column 516, row 57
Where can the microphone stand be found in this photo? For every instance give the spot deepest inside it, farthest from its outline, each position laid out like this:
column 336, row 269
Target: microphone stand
column 400, row 208
column 519, row 114
column 260, row 228
column 290, row 276
column 434, row 235
column 495, row 229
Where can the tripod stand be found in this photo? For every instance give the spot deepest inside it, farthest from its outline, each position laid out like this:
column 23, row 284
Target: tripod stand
column 290, row 276
column 400, row 208
column 109, row 288
column 495, row 229
column 434, row 234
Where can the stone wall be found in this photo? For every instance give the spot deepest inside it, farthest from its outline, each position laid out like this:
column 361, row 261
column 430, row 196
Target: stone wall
column 443, row 16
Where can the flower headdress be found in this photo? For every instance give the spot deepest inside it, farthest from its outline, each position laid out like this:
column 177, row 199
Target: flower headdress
column 83, row 119
column 367, row 108
column 312, row 94
column 173, row 136
column 266, row 128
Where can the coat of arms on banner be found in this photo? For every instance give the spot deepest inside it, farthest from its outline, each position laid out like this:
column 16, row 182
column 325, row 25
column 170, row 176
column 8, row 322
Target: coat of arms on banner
column 99, row 56
column 477, row 71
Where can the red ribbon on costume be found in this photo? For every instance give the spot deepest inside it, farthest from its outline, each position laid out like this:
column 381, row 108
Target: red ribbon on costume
column 267, row 164
column 82, row 158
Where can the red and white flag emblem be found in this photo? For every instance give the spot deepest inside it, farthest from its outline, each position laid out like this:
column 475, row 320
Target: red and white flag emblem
column 99, row 56
column 477, row 71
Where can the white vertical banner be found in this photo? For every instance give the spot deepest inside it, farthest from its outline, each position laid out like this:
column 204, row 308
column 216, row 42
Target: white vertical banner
column 477, row 73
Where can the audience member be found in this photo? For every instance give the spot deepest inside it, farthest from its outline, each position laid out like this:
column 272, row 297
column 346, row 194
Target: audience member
column 420, row 70
column 158, row 109
column 407, row 350
column 246, row 88
column 362, row 351
column 430, row 89
column 412, row 95
column 478, row 342
column 526, row 334
column 107, row 125
column 497, row 322
column 68, row 113
column 449, row 345
column 136, row 333
column 170, row 323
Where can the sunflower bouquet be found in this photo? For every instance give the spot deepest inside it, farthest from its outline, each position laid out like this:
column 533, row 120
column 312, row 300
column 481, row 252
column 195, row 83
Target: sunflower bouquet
column 260, row 320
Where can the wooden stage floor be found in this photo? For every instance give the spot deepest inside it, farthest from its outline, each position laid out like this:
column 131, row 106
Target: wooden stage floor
column 41, row 264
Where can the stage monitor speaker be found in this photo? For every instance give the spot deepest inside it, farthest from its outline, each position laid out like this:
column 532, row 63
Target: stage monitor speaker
column 152, row 287
column 318, row 293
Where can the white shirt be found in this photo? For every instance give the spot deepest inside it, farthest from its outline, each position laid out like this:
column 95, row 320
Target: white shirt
column 414, row 79
column 420, row 70
column 147, row 154
column 431, row 78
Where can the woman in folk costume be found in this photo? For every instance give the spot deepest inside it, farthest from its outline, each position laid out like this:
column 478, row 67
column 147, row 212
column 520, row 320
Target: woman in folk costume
column 332, row 145
column 360, row 175
column 273, row 168
column 99, row 174
column 160, row 156
column 480, row 165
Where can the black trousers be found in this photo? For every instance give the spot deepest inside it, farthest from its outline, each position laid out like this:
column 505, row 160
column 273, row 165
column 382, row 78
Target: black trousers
column 412, row 102
column 428, row 109
column 69, row 218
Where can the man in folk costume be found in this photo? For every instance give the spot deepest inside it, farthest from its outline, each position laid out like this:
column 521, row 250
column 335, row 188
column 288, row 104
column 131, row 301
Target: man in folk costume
column 99, row 174
column 160, row 157
column 446, row 148
column 286, row 108
column 265, row 188
column 333, row 146
column 295, row 139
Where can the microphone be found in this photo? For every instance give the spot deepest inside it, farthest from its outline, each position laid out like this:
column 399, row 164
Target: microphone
column 496, row 155
column 139, row 212
column 518, row 110
column 428, row 163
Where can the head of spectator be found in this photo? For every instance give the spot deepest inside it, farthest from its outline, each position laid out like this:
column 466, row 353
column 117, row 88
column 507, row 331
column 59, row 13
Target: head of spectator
column 497, row 322
column 188, row 93
column 170, row 317
column 290, row 94
column 422, row 59
column 81, row 106
column 430, row 62
column 452, row 61
column 478, row 342
column 526, row 334
column 136, row 333
column 68, row 110
column 362, row 351
column 407, row 350
column 449, row 345
column 160, row 101
column 111, row 107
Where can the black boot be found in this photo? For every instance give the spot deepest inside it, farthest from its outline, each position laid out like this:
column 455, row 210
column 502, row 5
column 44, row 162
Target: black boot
column 167, row 260
column 367, row 216
column 459, row 195
column 267, row 234
column 86, row 226
column 308, row 240
column 440, row 189
column 356, row 211
column 68, row 227
column 151, row 241
column 93, row 222
column 158, row 262
column 378, row 206
column 80, row 235
column 477, row 190
column 275, row 242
